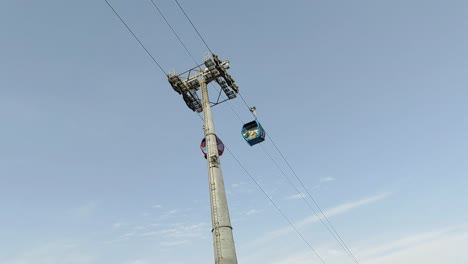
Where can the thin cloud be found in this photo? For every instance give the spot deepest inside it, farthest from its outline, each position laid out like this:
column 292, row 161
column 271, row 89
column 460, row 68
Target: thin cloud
column 51, row 253
column 173, row 243
column 167, row 214
column 295, row 196
column 252, row 212
column 240, row 188
column 84, row 211
column 150, row 234
column 117, row 225
column 337, row 210
column 139, row 261
column 327, row 179
column 129, row 234
column 343, row 208
column 168, row 233
column 445, row 245
column 413, row 240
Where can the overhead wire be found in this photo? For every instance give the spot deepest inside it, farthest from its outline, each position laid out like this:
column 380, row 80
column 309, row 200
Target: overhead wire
column 347, row 250
column 232, row 154
column 301, row 195
column 173, row 31
column 206, row 44
column 232, row 109
column 180, row 41
column 185, row 47
column 276, row 206
column 178, row 37
column 136, row 38
column 330, row 227
column 196, row 30
column 333, row 230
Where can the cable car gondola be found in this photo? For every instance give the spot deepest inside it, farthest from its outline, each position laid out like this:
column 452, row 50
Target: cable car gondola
column 253, row 132
column 219, row 143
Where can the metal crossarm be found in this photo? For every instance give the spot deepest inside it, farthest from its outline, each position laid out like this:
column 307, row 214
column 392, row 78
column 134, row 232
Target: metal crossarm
column 188, row 83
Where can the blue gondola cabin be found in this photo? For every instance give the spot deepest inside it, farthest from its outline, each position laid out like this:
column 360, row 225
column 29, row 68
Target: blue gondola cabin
column 253, row 133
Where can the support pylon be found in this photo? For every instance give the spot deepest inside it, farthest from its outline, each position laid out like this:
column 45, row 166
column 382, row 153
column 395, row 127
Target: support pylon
column 187, row 85
column 223, row 240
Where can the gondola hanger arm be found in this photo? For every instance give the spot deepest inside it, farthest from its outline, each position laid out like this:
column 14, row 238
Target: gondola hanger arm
column 253, row 110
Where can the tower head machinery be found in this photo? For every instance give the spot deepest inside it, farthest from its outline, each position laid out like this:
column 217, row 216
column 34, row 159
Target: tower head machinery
column 188, row 83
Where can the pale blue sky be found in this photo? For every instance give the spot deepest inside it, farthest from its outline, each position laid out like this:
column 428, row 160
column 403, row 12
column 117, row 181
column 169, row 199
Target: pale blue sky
column 99, row 157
